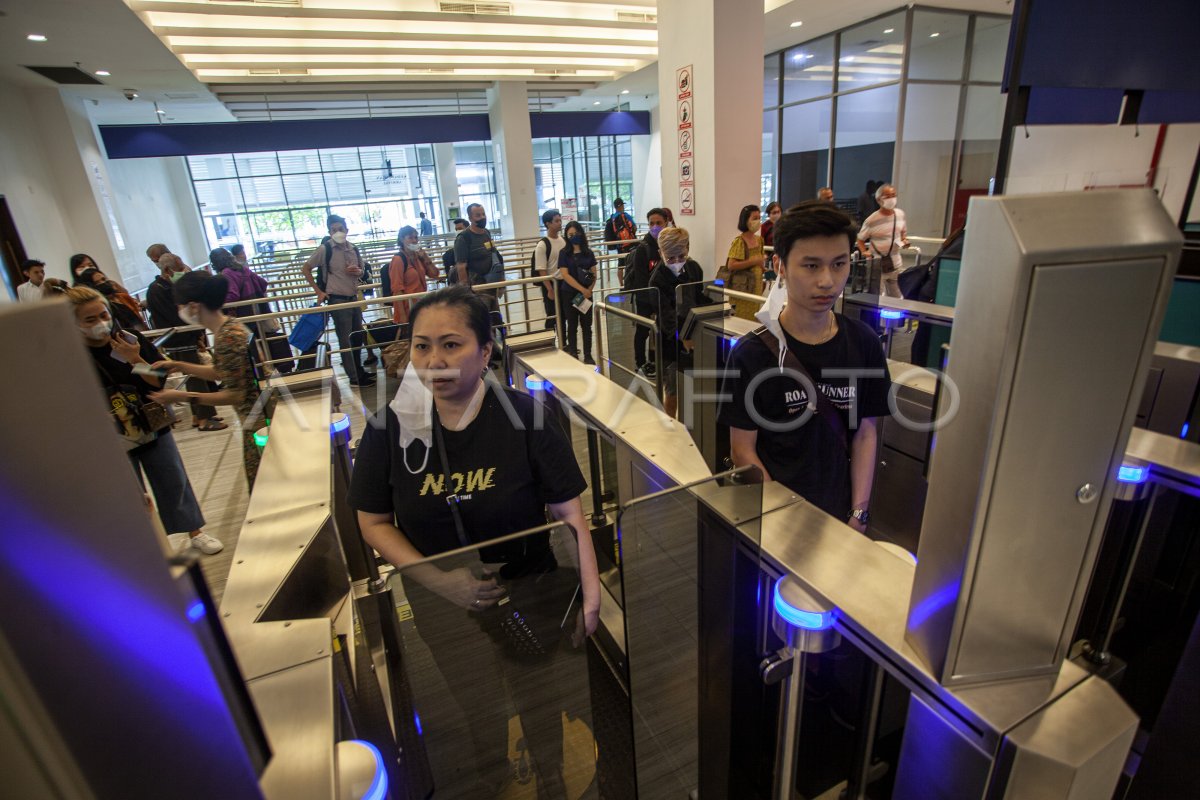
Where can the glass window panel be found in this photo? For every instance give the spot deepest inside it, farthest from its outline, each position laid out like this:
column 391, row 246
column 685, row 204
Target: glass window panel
column 769, row 155
column 470, row 152
column 990, row 48
column 808, row 70
column 308, row 225
column 264, row 192
column 372, row 157
column 345, row 186
column 804, row 142
column 983, row 119
column 426, row 182
column 871, row 54
column 541, row 149
column 304, row 189
column 939, row 42
column 273, row 227
column 293, row 161
column 256, row 164
column 930, row 119
column 358, row 218
column 388, row 218
column 222, row 230
column 345, row 158
column 218, row 197
column 866, row 139
column 207, row 167
column 425, row 155
column 771, row 81
column 474, row 178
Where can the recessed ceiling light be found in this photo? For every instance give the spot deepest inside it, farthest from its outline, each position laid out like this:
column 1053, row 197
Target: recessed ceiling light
column 625, row 91
column 889, row 30
column 596, row 103
column 160, row 111
column 798, row 56
column 848, row 58
column 934, row 35
column 797, row 24
column 36, row 37
column 103, row 73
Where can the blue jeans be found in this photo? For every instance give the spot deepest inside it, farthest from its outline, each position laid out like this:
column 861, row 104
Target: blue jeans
column 177, row 506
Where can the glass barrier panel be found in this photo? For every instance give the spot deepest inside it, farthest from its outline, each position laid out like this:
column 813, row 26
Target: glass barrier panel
column 630, row 346
column 498, row 665
column 665, row 538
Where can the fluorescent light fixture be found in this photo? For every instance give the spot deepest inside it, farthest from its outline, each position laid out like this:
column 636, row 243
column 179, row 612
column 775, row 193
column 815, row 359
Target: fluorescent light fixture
column 36, row 37
column 798, row 56
column 889, row 30
column 596, row 103
column 799, row 617
column 1133, row 473
column 934, row 35
column 103, row 73
column 624, row 91
column 891, row 313
column 160, row 111
column 796, row 24
column 847, row 58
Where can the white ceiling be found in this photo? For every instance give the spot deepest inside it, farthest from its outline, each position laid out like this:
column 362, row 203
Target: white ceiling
column 114, row 35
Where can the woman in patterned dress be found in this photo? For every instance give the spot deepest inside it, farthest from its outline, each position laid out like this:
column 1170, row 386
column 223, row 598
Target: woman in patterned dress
column 200, row 297
column 745, row 262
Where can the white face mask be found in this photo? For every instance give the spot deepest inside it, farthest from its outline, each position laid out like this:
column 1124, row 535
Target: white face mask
column 101, row 330
column 888, row 202
column 768, row 315
column 675, row 266
column 339, row 237
column 187, row 316
column 754, row 225
column 412, row 406
column 412, row 247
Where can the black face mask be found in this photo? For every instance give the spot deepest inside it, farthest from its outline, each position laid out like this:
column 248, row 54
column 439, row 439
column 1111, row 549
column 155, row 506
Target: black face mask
column 106, row 288
column 481, row 223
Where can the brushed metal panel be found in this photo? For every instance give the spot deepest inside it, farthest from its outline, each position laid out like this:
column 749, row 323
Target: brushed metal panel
column 297, row 710
column 1036, row 532
column 936, row 761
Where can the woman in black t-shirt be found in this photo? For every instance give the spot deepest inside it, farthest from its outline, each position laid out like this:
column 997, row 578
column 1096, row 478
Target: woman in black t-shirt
column 577, row 268
column 147, row 436
column 506, row 462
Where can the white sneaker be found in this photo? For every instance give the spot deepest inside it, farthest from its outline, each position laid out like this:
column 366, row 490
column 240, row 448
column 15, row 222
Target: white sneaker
column 207, row 544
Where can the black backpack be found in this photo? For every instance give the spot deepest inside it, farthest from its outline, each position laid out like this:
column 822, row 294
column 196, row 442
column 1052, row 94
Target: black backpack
column 533, row 257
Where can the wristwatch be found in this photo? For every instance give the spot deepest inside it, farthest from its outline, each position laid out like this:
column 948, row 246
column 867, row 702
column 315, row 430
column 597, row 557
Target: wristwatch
column 860, row 514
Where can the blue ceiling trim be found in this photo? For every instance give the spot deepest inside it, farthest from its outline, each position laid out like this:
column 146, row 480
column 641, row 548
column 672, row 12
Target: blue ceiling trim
column 1056, row 106
column 1167, row 108
column 589, row 123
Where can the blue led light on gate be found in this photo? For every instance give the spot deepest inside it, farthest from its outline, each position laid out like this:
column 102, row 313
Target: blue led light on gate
column 342, row 423
column 1130, row 473
column 417, row 720
column 719, row 282
column 535, row 384
column 378, row 789
column 1183, row 433
column 802, row 618
column 195, row 611
column 889, row 313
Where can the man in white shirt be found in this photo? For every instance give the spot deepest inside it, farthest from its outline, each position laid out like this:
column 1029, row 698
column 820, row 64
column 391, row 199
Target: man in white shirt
column 31, row 290
column 545, row 260
column 884, row 233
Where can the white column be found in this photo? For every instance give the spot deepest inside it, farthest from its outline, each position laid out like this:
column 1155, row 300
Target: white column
column 447, row 181
column 512, row 140
column 722, row 41
column 648, row 176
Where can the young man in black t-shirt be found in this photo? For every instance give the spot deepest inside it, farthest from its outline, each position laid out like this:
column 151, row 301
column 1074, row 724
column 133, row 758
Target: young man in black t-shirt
column 827, row 457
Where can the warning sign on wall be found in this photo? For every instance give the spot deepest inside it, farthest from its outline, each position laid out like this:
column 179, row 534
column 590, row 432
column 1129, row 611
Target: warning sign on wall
column 684, row 114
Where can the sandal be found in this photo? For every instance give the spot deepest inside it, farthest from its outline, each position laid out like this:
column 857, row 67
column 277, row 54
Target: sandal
column 212, row 425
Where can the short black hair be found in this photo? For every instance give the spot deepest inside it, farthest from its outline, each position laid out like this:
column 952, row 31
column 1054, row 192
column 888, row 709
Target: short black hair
column 237, row 250
column 548, row 216
column 473, row 307
column 577, row 225
column 78, row 259
column 461, row 221
column 220, row 258
column 407, row 230
column 334, row 219
column 422, row 215
column 744, row 217
column 771, row 206
column 662, row 212
column 475, row 205
column 198, row 286
column 808, row 220
column 30, row 263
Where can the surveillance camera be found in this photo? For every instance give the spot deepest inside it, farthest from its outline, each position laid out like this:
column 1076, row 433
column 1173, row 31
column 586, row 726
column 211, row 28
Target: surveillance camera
column 130, row 94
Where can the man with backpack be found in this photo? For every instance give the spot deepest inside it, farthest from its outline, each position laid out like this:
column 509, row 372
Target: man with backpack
column 339, row 266
column 545, row 261
column 475, row 255
column 448, row 260
column 620, row 228
column 635, row 277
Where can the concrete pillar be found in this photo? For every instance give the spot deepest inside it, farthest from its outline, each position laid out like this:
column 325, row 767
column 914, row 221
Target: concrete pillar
column 648, row 176
column 722, row 42
column 512, row 141
column 447, row 182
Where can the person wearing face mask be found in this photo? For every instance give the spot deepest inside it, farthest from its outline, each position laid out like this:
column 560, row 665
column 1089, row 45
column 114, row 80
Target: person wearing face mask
column 774, row 212
column 145, row 429
column 882, row 236
column 577, row 271
column 679, row 281
column 409, row 272
column 545, row 260
column 476, row 258
column 635, row 277
column 456, row 460
column 125, row 309
column 339, row 265
column 743, row 270
column 160, row 300
column 822, row 447
column 200, row 298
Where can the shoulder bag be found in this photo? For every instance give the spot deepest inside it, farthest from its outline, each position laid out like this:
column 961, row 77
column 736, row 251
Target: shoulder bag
column 825, row 409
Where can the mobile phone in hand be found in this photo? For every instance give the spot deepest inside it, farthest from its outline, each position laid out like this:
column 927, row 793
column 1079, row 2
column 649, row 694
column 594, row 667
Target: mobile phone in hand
column 146, row 369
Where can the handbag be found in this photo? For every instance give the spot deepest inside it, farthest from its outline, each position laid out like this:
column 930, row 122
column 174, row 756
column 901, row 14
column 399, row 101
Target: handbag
column 138, row 420
column 527, row 623
column 308, row 330
column 912, row 280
